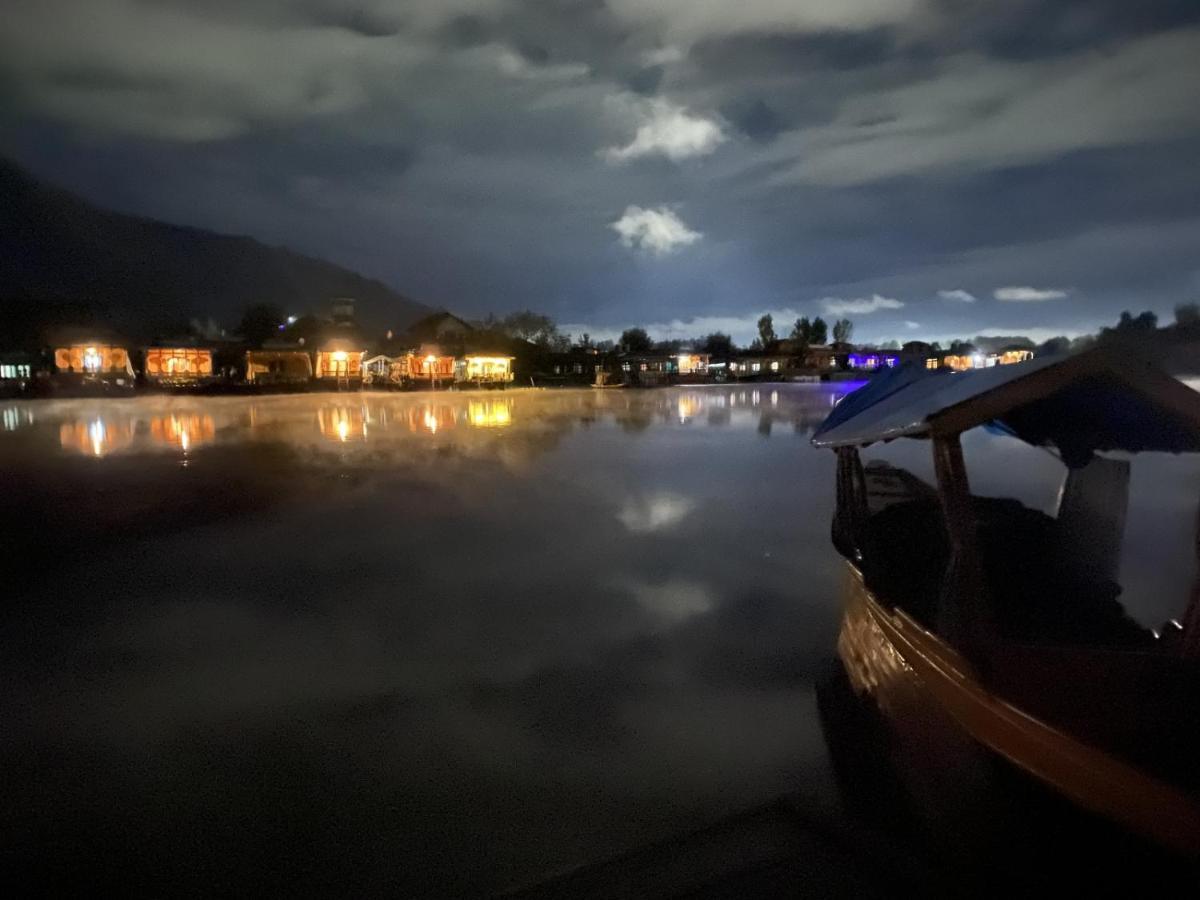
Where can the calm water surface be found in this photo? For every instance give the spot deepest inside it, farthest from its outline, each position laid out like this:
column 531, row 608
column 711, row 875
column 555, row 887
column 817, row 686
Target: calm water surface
column 431, row 643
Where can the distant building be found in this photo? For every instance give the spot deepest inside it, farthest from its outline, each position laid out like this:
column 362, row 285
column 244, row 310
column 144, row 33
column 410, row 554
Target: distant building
column 18, row 372
column 483, row 369
column 178, row 366
column 648, row 369
column 338, row 360
column 92, row 361
column 278, row 364
column 961, row 362
column 438, row 328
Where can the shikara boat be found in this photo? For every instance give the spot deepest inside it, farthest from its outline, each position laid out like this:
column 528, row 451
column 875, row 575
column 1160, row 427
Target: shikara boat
column 985, row 635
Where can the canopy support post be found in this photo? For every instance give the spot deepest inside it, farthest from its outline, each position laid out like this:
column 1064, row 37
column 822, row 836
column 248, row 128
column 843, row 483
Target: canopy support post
column 851, row 514
column 963, row 617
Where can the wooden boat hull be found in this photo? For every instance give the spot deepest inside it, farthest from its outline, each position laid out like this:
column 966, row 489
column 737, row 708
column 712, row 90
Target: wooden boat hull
column 946, row 724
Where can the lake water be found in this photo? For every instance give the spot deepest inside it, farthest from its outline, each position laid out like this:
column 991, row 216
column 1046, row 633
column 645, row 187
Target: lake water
column 432, row 643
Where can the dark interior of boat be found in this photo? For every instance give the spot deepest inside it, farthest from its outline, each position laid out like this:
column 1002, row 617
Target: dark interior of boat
column 1066, row 651
column 1034, row 597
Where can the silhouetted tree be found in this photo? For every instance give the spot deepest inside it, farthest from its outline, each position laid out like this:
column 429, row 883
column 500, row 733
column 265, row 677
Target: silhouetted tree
column 1059, row 344
column 1131, row 326
column 802, row 330
column 820, row 331
column 635, row 340
column 766, row 330
column 717, row 344
column 530, row 326
column 260, row 322
column 842, row 331
column 1187, row 315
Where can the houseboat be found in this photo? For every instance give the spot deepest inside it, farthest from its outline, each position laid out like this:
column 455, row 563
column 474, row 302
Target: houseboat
column 986, row 637
column 17, row 373
column 179, row 366
column 428, row 367
column 480, row 370
column 339, row 363
column 278, row 366
column 94, row 364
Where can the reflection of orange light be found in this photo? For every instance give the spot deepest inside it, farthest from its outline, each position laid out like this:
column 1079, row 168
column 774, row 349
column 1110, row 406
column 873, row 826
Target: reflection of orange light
column 96, row 437
column 182, row 431
column 431, row 418
column 342, row 423
column 687, row 407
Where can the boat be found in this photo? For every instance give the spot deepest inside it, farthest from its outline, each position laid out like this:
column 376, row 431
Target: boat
column 987, row 637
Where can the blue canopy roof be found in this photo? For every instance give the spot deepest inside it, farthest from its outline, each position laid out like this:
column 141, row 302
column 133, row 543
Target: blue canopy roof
column 1079, row 403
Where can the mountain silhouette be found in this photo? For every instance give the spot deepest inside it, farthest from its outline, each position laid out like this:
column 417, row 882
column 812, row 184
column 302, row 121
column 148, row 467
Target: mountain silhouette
column 64, row 261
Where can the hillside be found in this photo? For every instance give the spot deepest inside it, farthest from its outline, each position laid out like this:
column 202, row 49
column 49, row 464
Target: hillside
column 63, row 260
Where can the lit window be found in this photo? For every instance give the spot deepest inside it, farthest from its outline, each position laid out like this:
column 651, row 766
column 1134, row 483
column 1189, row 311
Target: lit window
column 756, row 367
column 775, row 366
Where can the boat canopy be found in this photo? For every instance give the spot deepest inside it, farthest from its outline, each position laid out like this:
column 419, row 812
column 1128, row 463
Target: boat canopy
column 1079, row 403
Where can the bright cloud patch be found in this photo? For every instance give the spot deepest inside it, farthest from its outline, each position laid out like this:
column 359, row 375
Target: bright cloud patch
column 859, row 306
column 658, row 231
column 958, row 295
column 1028, row 294
column 670, row 131
column 911, row 326
column 655, row 513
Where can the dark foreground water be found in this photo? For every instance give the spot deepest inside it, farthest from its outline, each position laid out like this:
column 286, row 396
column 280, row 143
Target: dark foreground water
column 430, row 643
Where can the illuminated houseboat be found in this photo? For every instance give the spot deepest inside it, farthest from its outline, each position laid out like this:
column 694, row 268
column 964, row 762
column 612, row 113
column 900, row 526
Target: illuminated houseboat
column 17, row 373
column 483, row 370
column 179, row 366
column 97, row 365
column 338, row 361
column 986, row 637
column 962, row 362
column 428, row 367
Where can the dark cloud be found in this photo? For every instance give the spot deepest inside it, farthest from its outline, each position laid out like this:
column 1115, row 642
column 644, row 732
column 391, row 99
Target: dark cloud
column 476, row 152
column 756, row 120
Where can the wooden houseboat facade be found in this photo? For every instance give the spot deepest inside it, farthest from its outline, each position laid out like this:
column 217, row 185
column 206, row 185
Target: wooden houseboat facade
column 272, row 367
column 179, row 366
column 483, row 370
column 96, row 365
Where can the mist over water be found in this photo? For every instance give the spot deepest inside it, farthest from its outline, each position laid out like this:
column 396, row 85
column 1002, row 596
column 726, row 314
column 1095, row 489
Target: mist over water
column 431, row 642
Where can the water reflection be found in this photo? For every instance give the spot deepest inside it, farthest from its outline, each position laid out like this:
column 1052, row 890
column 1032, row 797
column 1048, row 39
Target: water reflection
column 491, row 413
column 14, row 417
column 96, row 437
column 184, row 432
column 100, row 429
column 342, row 423
column 365, row 635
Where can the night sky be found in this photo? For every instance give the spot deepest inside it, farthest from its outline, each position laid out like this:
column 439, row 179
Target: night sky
column 929, row 168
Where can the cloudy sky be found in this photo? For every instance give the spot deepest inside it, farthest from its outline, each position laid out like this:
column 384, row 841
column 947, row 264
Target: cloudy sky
column 928, row 168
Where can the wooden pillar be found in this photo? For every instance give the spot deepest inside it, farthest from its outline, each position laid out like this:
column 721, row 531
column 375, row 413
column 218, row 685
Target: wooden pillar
column 964, row 614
